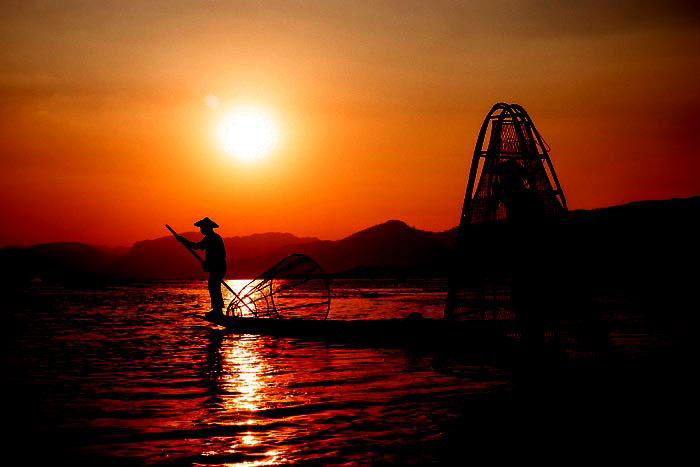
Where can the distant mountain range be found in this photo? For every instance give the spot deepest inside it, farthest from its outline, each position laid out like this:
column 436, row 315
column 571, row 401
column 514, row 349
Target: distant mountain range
column 619, row 238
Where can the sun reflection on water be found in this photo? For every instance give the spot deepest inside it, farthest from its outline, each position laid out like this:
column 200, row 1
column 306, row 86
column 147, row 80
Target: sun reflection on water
column 242, row 370
column 249, row 439
column 241, row 377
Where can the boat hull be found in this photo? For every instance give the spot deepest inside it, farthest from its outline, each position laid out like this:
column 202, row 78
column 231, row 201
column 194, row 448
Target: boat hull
column 394, row 332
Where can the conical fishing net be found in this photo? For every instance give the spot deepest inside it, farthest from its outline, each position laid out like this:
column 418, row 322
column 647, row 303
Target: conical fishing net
column 296, row 287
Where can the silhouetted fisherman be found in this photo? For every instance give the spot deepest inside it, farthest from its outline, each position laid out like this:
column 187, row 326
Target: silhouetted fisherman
column 522, row 205
column 530, row 265
column 214, row 262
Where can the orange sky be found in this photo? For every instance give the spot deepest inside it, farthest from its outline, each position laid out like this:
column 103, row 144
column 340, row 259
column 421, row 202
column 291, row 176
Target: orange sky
column 104, row 134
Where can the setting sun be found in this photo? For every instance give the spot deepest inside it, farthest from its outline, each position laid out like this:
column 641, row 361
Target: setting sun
column 247, row 133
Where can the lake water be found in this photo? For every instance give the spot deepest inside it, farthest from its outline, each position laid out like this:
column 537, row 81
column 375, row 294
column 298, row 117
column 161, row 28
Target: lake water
column 132, row 375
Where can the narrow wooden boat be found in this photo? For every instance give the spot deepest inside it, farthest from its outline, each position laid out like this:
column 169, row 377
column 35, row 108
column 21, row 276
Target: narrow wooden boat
column 471, row 334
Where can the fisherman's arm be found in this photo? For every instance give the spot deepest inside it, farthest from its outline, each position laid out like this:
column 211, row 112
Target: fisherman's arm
column 194, row 245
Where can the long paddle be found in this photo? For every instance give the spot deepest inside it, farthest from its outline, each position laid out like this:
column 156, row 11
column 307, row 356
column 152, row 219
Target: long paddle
column 199, row 258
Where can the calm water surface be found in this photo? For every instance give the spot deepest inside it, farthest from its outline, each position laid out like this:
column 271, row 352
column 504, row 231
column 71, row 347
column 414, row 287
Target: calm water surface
column 134, row 373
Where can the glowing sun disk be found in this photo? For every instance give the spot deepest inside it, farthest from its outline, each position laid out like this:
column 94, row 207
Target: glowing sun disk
column 247, row 133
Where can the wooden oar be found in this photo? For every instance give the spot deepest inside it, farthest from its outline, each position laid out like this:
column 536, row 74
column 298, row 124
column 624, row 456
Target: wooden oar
column 199, row 258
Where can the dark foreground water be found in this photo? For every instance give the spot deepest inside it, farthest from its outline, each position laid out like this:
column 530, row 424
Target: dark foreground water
column 132, row 375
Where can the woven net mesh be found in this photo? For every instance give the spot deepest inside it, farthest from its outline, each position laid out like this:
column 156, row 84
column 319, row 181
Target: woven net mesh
column 296, row 287
column 514, row 184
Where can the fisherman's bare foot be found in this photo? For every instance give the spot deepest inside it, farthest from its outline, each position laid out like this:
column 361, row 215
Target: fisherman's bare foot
column 214, row 314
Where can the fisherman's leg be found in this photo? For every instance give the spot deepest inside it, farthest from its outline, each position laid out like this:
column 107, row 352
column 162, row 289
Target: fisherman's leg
column 214, row 285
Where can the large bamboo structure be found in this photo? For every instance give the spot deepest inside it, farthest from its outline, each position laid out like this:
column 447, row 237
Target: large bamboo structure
column 516, row 192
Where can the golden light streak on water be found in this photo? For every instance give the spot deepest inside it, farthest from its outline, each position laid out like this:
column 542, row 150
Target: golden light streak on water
column 242, row 369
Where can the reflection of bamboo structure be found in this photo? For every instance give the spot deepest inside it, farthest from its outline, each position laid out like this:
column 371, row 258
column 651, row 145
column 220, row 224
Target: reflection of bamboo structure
column 517, row 184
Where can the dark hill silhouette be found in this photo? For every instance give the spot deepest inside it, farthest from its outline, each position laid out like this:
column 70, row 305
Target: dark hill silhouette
column 640, row 246
column 64, row 262
column 634, row 246
column 392, row 245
